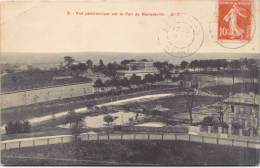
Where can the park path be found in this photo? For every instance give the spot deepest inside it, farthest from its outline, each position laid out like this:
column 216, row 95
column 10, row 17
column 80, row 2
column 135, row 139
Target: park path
column 37, row 120
column 137, row 99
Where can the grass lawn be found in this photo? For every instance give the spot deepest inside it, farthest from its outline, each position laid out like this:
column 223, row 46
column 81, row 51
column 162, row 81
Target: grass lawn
column 49, row 127
column 42, row 109
column 238, row 88
column 134, row 152
column 175, row 104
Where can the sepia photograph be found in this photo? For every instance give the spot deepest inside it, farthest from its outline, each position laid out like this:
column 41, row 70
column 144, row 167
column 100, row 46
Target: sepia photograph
column 130, row 83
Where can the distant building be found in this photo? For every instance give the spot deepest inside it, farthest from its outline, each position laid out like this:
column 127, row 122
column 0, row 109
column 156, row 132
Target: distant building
column 139, row 68
column 45, row 94
column 141, row 65
column 44, row 66
column 189, row 81
column 243, row 108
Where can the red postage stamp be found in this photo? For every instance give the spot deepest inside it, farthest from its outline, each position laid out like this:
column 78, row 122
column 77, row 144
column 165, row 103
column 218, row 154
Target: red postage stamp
column 235, row 20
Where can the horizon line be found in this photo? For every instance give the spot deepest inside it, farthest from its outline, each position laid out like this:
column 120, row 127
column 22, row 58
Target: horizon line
column 120, row 52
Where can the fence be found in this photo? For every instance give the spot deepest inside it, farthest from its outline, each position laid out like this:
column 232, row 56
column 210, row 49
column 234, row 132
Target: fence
column 35, row 141
column 166, row 129
column 38, row 141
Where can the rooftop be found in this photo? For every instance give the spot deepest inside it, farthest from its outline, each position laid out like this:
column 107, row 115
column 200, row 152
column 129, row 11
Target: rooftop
column 136, row 71
column 26, row 80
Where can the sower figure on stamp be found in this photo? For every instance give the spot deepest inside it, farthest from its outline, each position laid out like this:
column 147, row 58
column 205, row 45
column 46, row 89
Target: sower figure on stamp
column 232, row 18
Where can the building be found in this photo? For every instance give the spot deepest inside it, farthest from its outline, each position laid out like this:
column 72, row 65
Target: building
column 141, row 65
column 45, row 94
column 243, row 108
column 139, row 68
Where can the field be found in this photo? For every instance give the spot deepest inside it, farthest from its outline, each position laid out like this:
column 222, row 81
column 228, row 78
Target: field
column 43, row 110
column 52, row 107
column 175, row 105
column 238, row 88
column 132, row 153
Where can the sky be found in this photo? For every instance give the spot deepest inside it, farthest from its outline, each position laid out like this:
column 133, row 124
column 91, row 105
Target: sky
column 46, row 27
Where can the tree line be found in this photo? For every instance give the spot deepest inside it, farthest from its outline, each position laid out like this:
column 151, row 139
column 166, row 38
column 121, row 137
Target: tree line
column 134, row 80
column 220, row 64
column 111, row 68
column 164, row 67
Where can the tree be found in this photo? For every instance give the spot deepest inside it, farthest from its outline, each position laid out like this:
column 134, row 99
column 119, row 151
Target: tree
column 68, row 60
column 89, row 64
column 98, row 83
column 101, row 66
column 18, row 127
column 207, row 121
column 185, row 78
column 115, row 82
column 82, row 67
column 101, row 63
column 235, row 64
column 184, row 64
column 149, row 78
column 160, row 65
column 171, row 66
column 74, row 69
column 111, row 69
column 75, row 120
column 136, row 116
column 9, row 128
column 124, row 63
column 26, row 127
column 130, row 120
column 164, row 69
column 253, row 73
column 124, row 82
column 108, row 119
column 168, row 76
column 190, row 98
column 135, row 80
column 158, row 77
column 190, row 93
column 194, row 64
column 144, row 60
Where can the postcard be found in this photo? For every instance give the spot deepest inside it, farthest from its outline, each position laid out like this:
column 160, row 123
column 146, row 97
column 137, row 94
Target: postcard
column 130, row 83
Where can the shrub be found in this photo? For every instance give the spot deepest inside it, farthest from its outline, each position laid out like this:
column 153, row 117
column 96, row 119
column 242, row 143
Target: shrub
column 26, row 127
column 108, row 119
column 207, row 121
column 117, row 128
column 236, row 125
column 220, row 124
column 224, row 125
column 18, row 127
column 9, row 128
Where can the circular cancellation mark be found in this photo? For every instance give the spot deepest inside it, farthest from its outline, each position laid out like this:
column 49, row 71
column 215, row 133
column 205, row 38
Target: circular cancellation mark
column 181, row 35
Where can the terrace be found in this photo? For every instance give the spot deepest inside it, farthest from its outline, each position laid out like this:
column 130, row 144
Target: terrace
column 33, row 79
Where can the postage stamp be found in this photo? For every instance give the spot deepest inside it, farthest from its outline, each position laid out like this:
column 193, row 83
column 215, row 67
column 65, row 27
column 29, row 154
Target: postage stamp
column 235, row 20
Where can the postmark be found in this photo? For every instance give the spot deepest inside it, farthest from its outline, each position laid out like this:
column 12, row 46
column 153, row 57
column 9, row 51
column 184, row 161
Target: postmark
column 234, row 23
column 181, row 35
